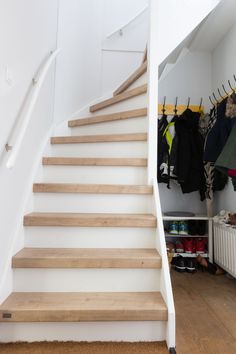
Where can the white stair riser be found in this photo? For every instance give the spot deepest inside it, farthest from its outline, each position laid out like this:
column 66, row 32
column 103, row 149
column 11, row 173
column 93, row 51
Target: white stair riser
column 86, row 280
column 136, row 102
column 84, row 331
column 113, row 149
column 90, row 203
column 123, row 126
column 89, row 237
column 141, row 81
column 95, row 174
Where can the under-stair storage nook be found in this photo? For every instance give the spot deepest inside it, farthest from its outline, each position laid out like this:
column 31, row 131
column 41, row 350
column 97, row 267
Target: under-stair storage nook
column 200, row 70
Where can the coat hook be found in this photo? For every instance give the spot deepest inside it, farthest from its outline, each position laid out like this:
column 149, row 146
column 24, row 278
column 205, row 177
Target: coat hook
column 164, row 105
column 224, row 89
column 234, row 78
column 200, row 106
column 213, row 104
column 220, row 93
column 230, row 85
column 188, row 102
column 175, row 109
column 215, row 97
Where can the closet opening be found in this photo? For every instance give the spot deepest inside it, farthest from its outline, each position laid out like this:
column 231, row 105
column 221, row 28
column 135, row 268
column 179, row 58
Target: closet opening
column 197, row 179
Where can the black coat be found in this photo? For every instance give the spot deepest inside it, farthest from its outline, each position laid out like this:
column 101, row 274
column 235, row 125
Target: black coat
column 218, row 135
column 189, row 158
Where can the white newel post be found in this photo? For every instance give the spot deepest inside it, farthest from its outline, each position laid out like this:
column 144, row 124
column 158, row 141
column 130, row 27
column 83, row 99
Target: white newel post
column 152, row 89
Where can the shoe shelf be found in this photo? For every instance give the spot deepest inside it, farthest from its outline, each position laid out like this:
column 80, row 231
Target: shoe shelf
column 191, row 255
column 184, row 218
column 172, row 237
column 179, row 235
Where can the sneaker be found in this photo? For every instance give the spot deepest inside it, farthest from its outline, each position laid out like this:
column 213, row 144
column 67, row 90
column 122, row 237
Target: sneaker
column 200, row 246
column 179, row 247
column 188, row 245
column 190, row 265
column 174, row 227
column 183, row 228
column 179, row 264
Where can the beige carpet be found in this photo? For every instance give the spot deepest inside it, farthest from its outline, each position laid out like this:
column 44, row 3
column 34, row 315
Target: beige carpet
column 84, row 348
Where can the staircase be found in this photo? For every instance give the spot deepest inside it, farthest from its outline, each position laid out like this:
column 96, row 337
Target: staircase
column 90, row 269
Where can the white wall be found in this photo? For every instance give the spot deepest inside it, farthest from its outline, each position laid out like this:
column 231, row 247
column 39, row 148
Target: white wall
column 27, row 35
column 91, row 65
column 223, row 68
column 122, row 54
column 191, row 77
column 79, row 65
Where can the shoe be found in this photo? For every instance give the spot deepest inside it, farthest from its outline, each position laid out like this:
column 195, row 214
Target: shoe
column 200, row 246
column 174, row 227
column 192, row 227
column 201, row 227
column 179, row 264
column 183, row 228
column 188, row 245
column 190, row 265
column 179, row 247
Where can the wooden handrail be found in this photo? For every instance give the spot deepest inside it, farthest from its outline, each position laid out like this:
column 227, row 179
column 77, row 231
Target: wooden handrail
column 17, row 134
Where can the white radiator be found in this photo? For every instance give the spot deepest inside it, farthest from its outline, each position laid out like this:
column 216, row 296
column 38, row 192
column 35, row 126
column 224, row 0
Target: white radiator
column 225, row 247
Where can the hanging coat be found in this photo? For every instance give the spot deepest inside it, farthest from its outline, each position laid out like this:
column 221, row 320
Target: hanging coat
column 166, row 150
column 189, row 160
column 218, row 135
column 162, row 148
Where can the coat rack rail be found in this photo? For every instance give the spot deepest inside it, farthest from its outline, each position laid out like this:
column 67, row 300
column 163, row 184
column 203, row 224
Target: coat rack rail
column 169, row 109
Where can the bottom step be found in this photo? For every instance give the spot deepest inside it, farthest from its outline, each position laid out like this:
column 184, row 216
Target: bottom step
column 76, row 307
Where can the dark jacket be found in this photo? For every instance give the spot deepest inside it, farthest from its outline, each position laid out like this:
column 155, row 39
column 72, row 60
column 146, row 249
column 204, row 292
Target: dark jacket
column 218, row 135
column 189, row 161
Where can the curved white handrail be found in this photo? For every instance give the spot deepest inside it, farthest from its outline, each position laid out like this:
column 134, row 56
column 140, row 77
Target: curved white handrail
column 18, row 132
column 120, row 29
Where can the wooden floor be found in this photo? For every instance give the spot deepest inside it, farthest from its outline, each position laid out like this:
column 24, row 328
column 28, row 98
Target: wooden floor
column 205, row 313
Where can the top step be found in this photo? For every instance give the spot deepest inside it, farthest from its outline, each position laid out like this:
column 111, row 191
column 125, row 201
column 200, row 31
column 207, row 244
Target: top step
column 134, row 113
column 135, row 76
column 119, row 98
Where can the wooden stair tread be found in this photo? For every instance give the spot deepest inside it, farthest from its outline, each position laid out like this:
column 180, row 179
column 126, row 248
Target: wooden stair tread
column 131, row 79
column 134, row 113
column 75, row 307
column 90, row 219
column 91, row 188
column 92, row 161
column 98, row 138
column 119, row 98
column 86, row 258
column 145, row 55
